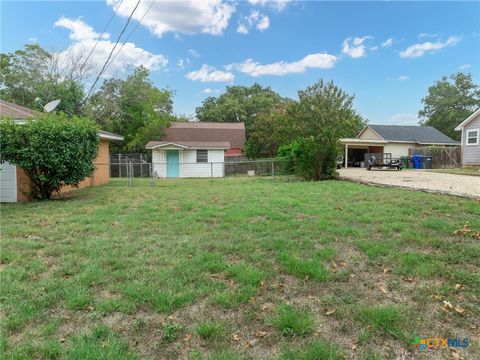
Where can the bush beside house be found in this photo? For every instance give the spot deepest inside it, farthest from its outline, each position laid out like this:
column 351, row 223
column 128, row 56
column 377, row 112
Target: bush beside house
column 53, row 151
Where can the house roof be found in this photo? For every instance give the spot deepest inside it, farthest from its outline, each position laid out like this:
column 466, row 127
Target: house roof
column 189, row 144
column 417, row 134
column 18, row 112
column 108, row 135
column 206, row 133
column 467, row 120
column 14, row 111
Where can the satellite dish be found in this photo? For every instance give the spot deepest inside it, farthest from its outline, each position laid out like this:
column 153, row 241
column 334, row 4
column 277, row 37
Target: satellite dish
column 51, row 106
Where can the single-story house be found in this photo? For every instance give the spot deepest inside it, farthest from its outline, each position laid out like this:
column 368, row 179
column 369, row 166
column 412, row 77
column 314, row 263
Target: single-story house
column 15, row 184
column 394, row 139
column 196, row 149
column 470, row 142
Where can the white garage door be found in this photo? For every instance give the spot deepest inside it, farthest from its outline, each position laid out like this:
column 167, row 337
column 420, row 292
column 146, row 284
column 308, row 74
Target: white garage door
column 8, row 182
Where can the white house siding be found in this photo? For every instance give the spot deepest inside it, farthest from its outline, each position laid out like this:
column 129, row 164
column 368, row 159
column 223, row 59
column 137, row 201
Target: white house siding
column 188, row 163
column 8, row 182
column 398, row 149
column 470, row 153
column 159, row 160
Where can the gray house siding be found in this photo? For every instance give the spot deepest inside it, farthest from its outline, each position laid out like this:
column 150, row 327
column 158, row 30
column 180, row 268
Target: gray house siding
column 470, row 153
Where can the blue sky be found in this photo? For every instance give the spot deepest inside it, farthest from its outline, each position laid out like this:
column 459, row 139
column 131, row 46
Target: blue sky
column 386, row 53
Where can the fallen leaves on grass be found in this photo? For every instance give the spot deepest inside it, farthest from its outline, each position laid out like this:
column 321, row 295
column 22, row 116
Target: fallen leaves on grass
column 330, row 311
column 260, row 333
column 187, row 337
column 266, row 307
column 460, row 309
column 447, row 305
column 383, row 289
column 465, row 231
column 459, row 286
column 236, row 337
column 250, row 343
column 455, row 354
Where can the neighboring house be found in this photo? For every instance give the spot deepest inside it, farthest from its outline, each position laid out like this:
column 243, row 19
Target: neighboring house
column 196, row 149
column 14, row 183
column 394, row 139
column 470, row 129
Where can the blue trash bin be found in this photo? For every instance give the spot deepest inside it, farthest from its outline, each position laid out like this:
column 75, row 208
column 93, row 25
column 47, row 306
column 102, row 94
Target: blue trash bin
column 417, row 161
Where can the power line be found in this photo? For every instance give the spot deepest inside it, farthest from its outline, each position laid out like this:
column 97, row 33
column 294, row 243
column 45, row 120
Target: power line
column 101, row 36
column 131, row 33
column 111, row 52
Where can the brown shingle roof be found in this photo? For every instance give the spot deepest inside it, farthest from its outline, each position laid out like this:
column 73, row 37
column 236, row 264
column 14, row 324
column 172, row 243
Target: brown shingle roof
column 190, row 144
column 206, row 132
column 14, row 111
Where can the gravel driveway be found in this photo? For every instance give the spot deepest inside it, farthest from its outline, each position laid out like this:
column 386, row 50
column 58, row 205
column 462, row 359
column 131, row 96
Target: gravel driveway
column 460, row 185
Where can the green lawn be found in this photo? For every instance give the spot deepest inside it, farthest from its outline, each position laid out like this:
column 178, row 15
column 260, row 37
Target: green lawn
column 238, row 269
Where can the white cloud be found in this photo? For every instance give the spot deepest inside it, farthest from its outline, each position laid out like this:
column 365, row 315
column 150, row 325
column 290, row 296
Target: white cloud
column 186, row 16
column 355, row 48
column 181, row 63
column 254, row 19
column 399, row 78
column 404, row 119
column 276, row 4
column 420, row 49
column 319, row 61
column 374, row 48
column 79, row 30
column 464, row 67
column 84, row 39
column 242, row 29
column 193, row 53
column 263, row 24
column 210, row 91
column 33, row 40
column 208, row 73
column 388, row 42
column 424, row 35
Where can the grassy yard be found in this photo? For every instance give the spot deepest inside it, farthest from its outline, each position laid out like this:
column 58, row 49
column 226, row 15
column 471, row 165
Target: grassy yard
column 239, row 269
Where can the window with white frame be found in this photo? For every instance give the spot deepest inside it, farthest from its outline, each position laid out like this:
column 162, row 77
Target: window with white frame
column 202, row 156
column 472, row 137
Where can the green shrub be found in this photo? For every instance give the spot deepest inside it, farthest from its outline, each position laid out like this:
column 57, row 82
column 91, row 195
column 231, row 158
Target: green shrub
column 52, row 149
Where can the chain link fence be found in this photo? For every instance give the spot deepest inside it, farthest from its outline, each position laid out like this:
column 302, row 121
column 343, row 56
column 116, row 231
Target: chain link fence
column 136, row 170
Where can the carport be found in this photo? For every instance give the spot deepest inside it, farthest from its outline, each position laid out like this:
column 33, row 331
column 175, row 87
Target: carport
column 355, row 150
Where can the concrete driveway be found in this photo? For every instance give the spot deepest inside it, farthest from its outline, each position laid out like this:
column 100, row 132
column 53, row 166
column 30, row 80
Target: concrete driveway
column 459, row 185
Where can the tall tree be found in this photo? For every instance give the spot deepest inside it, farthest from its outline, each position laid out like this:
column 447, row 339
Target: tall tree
column 33, row 72
column 269, row 131
column 450, row 101
column 323, row 114
column 134, row 108
column 239, row 104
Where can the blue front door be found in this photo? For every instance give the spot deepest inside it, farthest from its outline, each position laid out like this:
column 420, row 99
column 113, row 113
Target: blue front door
column 173, row 160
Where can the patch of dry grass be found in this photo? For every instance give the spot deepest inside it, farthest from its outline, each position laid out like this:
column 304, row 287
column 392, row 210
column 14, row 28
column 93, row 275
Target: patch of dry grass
column 237, row 269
